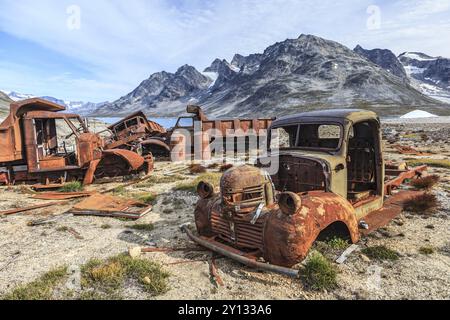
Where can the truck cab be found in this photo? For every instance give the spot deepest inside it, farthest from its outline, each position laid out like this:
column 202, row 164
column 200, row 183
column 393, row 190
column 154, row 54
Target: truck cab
column 336, row 151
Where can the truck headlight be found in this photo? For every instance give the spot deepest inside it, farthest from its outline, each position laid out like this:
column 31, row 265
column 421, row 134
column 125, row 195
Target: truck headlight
column 289, row 203
column 205, row 190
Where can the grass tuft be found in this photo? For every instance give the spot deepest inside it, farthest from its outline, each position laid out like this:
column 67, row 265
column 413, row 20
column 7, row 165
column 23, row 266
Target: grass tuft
column 75, row 186
column 120, row 190
column 41, row 288
column 427, row 182
column 381, row 253
column 426, row 250
column 319, row 273
column 160, row 179
column 143, row 227
column 147, row 198
column 337, row 243
column 426, row 203
column 105, row 276
column 191, row 186
column 106, row 226
column 437, row 163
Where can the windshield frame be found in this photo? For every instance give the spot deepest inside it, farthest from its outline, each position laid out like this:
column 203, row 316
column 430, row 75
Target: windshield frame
column 298, row 124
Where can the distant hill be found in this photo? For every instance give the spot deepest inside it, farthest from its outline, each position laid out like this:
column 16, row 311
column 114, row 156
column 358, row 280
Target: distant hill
column 80, row 107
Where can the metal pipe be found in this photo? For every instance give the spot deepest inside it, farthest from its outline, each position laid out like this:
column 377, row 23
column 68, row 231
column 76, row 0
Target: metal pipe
column 239, row 258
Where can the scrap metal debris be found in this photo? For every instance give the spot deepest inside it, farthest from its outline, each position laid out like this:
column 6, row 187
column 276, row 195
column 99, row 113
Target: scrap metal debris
column 35, row 207
column 347, row 253
column 110, row 206
column 410, row 151
column 214, row 275
column 62, row 195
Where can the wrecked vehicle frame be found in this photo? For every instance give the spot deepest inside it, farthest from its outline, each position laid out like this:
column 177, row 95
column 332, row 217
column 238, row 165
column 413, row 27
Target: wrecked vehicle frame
column 191, row 136
column 331, row 181
column 41, row 144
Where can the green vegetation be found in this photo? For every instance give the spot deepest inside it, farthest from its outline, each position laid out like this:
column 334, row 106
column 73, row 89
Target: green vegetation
column 143, row 227
column 191, row 186
column 41, row 288
column 148, row 198
column 381, row 253
column 105, row 277
column 160, row 179
column 119, row 191
column 426, row 250
column 426, row 203
column 106, row 226
column 74, row 186
column 427, row 182
column 337, row 243
column 319, row 273
column 444, row 163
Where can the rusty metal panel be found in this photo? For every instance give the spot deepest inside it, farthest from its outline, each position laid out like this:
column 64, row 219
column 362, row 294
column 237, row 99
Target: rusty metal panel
column 110, row 206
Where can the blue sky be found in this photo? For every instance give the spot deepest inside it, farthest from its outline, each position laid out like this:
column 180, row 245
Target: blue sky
column 118, row 43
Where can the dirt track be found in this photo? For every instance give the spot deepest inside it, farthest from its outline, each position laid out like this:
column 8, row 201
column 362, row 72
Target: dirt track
column 27, row 252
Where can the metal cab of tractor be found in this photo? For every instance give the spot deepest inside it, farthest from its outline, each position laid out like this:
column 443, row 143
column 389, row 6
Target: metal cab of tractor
column 331, row 178
column 40, row 144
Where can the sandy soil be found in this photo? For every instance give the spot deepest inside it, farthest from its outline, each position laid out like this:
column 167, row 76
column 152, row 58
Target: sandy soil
column 27, row 252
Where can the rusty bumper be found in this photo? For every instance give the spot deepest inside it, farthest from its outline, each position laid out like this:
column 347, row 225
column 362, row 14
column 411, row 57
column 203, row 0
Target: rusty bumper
column 239, row 256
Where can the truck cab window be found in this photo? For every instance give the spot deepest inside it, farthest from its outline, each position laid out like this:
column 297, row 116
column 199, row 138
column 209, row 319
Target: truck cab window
column 320, row 136
column 283, row 138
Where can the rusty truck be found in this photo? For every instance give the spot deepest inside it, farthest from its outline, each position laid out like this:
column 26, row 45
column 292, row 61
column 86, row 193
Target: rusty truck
column 190, row 135
column 40, row 144
column 137, row 133
column 332, row 181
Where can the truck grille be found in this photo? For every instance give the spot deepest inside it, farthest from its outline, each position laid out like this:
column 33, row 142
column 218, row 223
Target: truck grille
column 239, row 231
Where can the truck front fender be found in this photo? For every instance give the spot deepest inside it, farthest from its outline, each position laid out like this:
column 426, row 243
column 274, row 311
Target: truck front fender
column 288, row 238
column 116, row 162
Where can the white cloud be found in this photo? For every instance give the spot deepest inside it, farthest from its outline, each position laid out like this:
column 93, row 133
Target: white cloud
column 123, row 42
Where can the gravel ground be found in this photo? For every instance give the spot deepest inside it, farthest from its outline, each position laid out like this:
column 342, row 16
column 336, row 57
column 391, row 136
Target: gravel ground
column 28, row 252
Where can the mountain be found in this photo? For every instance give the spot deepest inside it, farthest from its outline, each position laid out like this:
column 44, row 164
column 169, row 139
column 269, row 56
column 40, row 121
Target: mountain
column 79, row 107
column 290, row 76
column 385, row 59
column 168, row 91
column 5, row 101
column 431, row 75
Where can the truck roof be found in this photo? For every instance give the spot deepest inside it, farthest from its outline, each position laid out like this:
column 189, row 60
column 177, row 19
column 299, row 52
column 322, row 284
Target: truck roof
column 334, row 115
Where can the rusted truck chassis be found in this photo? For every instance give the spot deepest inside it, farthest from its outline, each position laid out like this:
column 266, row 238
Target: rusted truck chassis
column 331, row 179
column 35, row 148
column 189, row 137
column 137, row 133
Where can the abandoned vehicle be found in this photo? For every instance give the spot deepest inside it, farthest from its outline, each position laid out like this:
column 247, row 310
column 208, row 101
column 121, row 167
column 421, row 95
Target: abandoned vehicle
column 40, row 144
column 137, row 133
column 187, row 138
column 331, row 181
